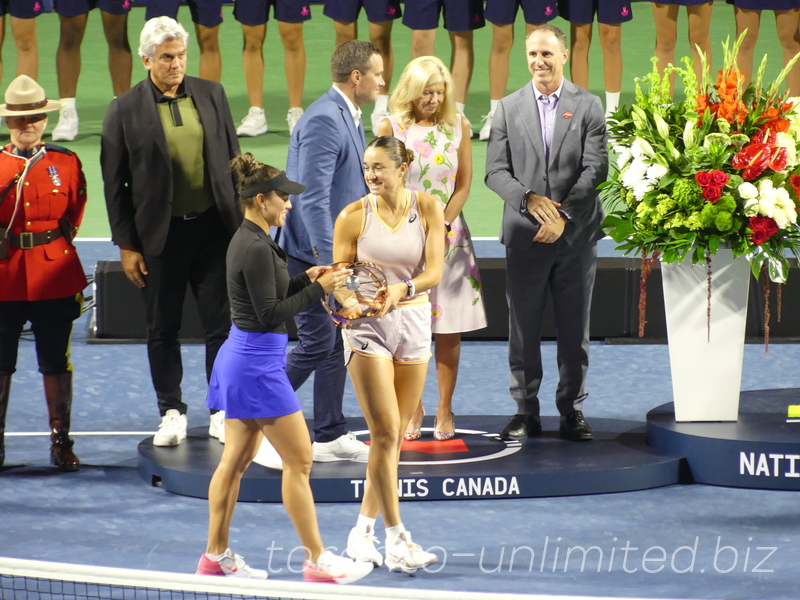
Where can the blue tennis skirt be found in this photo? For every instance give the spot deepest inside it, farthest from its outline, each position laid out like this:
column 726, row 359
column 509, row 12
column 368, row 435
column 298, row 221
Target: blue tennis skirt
column 249, row 379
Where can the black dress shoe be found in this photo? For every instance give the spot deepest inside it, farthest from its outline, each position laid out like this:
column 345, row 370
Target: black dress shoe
column 521, row 427
column 575, row 428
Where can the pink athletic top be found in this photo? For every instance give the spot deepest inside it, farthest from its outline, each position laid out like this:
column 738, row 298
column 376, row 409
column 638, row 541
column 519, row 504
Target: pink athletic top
column 398, row 251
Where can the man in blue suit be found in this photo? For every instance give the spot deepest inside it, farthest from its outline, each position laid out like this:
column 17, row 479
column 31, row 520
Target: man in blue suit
column 326, row 154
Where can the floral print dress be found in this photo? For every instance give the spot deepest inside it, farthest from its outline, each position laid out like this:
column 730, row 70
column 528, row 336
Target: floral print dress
column 457, row 302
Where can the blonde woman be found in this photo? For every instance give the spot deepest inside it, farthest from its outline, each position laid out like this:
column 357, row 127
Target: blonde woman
column 423, row 116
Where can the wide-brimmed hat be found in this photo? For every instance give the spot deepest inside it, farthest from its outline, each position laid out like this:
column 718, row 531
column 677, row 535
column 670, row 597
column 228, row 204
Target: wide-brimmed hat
column 26, row 97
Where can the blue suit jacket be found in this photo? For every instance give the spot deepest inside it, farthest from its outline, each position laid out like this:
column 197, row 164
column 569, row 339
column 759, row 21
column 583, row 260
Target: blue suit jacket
column 326, row 154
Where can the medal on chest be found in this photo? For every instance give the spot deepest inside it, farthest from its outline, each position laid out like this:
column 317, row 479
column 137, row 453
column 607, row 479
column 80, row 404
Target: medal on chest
column 53, row 171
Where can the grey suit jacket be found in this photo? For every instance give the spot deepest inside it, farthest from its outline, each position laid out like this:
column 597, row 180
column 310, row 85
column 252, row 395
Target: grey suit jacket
column 515, row 163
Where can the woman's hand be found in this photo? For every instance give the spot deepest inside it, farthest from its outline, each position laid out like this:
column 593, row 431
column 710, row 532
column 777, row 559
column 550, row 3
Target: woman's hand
column 329, row 278
column 314, row 272
column 394, row 294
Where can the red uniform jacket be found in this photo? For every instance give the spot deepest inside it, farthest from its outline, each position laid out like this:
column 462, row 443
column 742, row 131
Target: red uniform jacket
column 54, row 188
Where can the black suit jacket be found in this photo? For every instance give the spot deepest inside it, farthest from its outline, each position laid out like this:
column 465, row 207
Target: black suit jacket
column 137, row 171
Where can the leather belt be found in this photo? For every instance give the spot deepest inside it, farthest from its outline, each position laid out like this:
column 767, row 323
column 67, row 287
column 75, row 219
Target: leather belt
column 27, row 240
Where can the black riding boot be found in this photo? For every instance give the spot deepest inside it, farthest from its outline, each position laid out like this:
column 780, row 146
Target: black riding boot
column 58, row 393
column 5, row 390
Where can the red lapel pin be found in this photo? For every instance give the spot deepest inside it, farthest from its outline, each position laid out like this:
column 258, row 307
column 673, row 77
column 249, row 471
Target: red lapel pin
column 567, row 115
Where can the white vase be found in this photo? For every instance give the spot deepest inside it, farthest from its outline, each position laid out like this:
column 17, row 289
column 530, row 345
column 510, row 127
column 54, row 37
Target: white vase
column 706, row 369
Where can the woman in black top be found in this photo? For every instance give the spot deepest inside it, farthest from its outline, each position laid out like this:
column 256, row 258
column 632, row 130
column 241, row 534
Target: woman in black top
column 249, row 379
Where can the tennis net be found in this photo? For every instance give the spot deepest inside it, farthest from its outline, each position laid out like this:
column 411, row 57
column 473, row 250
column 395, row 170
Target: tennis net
column 40, row 580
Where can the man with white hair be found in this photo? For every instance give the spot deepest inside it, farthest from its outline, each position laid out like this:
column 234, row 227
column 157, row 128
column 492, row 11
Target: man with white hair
column 171, row 205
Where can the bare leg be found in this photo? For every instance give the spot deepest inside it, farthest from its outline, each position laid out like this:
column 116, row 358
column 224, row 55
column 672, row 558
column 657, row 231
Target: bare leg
column 24, row 32
column 68, row 55
column 289, row 436
column 666, row 21
column 786, row 22
column 253, row 62
column 581, row 40
column 210, row 59
column 423, row 42
column 380, row 34
column 120, row 60
column 387, row 394
column 499, row 55
column 345, row 31
column 462, row 62
column 611, row 43
column 294, row 60
column 699, row 26
column 241, row 444
column 448, row 352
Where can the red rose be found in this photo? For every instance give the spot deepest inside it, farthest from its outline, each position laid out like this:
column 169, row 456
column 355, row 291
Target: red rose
column 758, row 237
column 719, row 178
column 703, row 178
column 712, row 193
column 763, row 228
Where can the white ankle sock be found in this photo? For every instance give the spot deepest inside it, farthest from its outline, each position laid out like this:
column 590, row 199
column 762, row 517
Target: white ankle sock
column 612, row 102
column 460, row 108
column 382, row 103
column 365, row 524
column 493, row 106
column 215, row 557
column 393, row 533
column 69, row 103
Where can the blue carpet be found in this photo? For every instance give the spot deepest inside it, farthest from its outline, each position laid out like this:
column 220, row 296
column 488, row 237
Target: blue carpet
column 683, row 541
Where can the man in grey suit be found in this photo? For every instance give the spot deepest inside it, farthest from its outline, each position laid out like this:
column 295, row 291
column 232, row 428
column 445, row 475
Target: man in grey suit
column 547, row 154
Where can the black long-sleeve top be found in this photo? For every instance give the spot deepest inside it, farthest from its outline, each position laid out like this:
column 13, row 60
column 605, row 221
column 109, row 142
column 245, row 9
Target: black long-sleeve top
column 261, row 293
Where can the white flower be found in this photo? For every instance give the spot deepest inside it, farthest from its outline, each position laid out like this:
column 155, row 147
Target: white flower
column 747, row 191
column 688, row 135
column 781, row 218
column 766, row 206
column 751, row 207
column 785, row 140
column 641, row 147
column 624, row 156
column 641, row 188
column 656, row 172
column 783, row 200
column 634, row 173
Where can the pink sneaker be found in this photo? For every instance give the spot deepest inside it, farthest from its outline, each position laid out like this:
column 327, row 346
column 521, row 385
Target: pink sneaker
column 229, row 565
column 331, row 568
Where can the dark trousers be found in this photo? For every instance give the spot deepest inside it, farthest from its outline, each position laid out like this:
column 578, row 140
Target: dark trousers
column 319, row 350
column 568, row 274
column 194, row 254
column 51, row 323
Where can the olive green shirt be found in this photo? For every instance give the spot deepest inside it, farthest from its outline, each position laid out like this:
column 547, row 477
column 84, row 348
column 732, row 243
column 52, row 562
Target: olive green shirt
column 190, row 182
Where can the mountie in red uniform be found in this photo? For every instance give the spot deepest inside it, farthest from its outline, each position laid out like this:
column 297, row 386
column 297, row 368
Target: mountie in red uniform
column 54, row 188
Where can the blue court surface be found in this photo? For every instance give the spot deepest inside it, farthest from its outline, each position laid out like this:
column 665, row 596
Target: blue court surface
column 678, row 541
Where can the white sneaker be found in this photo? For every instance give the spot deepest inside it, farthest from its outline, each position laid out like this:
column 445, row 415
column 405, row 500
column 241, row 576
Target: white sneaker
column 487, row 127
column 255, row 123
column 376, row 118
column 406, row 556
column 346, row 447
column 331, row 568
column 267, row 456
column 361, row 546
column 292, row 117
column 229, row 565
column 172, row 430
column 216, row 426
column 67, row 128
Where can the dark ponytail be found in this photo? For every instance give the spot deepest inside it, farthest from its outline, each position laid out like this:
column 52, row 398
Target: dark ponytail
column 248, row 171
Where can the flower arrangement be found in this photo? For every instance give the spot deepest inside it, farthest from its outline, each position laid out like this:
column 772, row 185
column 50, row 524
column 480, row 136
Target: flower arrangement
column 719, row 167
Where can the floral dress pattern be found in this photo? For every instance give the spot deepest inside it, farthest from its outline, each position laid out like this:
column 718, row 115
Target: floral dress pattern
column 457, row 302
